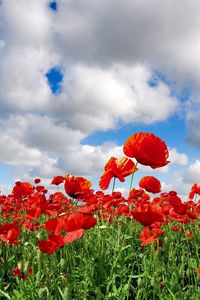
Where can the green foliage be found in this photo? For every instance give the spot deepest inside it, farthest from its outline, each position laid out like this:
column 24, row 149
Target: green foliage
column 106, row 263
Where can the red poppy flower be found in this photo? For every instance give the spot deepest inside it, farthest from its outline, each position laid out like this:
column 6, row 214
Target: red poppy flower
column 54, row 225
column 57, row 180
column 194, row 190
column 150, row 235
column 138, row 195
column 22, row 189
column 147, row 149
column 18, row 273
column 37, row 180
column 118, row 168
column 88, row 222
column 76, row 186
column 175, row 228
column 147, row 237
column 198, row 271
column 73, row 221
column 47, row 246
column 150, row 184
column 147, row 214
column 10, row 234
column 58, row 239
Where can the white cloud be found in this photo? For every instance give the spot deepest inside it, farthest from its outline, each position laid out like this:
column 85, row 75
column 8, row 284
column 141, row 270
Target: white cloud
column 108, row 51
column 97, row 99
column 176, row 157
column 161, row 33
column 5, row 189
column 193, row 126
column 26, row 22
column 192, row 174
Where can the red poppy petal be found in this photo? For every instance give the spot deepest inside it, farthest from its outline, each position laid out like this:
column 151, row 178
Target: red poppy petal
column 73, row 236
column 105, row 179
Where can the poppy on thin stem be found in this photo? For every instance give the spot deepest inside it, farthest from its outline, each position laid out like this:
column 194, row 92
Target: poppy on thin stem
column 116, row 168
column 76, row 187
column 195, row 190
column 147, row 149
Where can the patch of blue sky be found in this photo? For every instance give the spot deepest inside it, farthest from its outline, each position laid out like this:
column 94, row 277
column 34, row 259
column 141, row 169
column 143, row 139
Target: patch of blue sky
column 55, row 77
column 53, row 5
column 171, row 130
column 6, row 174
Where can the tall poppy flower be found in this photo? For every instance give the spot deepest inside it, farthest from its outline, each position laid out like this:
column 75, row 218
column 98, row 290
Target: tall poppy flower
column 76, row 186
column 194, row 190
column 118, row 168
column 150, row 184
column 147, row 149
column 57, row 180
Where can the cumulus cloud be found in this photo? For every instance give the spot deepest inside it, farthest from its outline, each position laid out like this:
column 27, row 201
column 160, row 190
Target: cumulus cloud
column 97, row 99
column 193, row 126
column 177, row 157
column 108, row 52
column 192, row 174
column 163, row 34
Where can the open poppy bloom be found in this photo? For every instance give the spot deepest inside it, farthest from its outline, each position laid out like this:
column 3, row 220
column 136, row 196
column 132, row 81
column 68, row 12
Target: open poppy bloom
column 116, row 167
column 22, row 189
column 195, row 190
column 57, row 180
column 76, row 186
column 147, row 214
column 147, row 149
column 150, row 184
column 47, row 246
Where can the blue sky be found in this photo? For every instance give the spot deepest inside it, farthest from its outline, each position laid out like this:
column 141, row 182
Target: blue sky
column 79, row 77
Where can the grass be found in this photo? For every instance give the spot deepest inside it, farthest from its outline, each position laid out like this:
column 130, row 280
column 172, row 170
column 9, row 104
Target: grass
column 106, row 263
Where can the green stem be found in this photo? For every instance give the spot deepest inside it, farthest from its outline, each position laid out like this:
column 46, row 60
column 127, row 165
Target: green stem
column 132, row 176
column 113, row 187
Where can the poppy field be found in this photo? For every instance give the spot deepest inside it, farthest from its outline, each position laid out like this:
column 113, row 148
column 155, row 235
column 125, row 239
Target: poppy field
column 85, row 244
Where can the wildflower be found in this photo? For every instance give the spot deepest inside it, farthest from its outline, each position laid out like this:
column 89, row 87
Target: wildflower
column 18, row 273
column 76, row 186
column 58, row 239
column 72, row 221
column 9, row 233
column 147, row 149
column 194, row 190
column 175, row 228
column 47, row 246
column 147, row 214
column 147, row 237
column 118, row 168
column 150, row 184
column 57, row 180
column 22, row 189
column 37, row 180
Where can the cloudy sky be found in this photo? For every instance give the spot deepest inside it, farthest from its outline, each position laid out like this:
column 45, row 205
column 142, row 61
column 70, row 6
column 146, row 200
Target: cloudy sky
column 78, row 77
